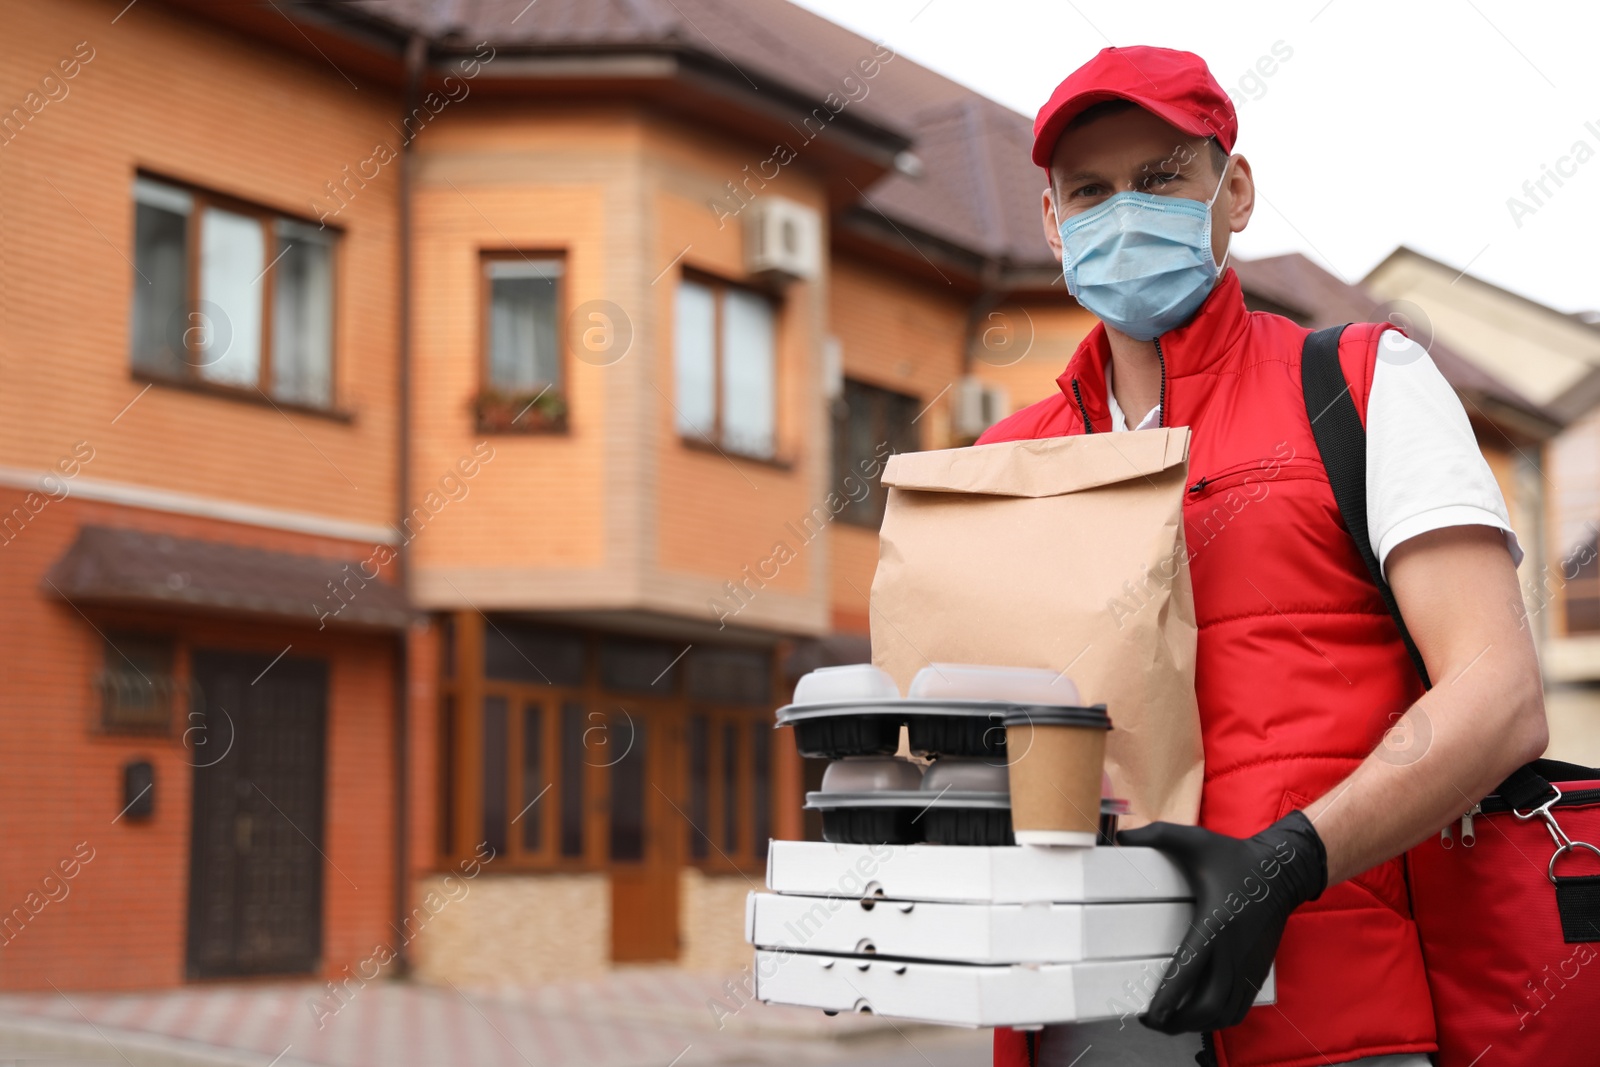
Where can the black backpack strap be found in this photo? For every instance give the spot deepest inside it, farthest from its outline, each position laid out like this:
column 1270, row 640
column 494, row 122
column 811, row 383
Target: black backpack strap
column 1342, row 442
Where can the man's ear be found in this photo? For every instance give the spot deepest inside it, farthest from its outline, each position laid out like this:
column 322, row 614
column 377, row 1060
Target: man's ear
column 1241, row 194
column 1236, row 201
column 1052, row 228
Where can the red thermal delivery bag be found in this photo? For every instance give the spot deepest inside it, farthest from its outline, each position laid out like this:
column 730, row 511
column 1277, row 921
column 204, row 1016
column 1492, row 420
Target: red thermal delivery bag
column 1507, row 903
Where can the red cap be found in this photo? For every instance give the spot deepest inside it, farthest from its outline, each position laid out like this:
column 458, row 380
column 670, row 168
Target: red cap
column 1176, row 87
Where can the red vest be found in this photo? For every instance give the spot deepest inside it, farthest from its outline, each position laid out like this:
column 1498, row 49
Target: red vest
column 1300, row 669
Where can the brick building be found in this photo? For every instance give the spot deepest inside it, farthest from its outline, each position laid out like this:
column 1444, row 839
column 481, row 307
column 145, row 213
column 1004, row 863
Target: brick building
column 431, row 430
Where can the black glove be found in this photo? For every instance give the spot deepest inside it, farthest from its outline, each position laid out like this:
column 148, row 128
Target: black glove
column 1244, row 891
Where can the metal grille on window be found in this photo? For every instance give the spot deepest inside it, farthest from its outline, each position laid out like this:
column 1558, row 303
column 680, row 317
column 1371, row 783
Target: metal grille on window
column 137, row 687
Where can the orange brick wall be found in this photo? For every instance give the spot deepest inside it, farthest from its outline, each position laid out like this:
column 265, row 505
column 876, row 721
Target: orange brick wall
column 895, row 334
column 170, row 94
column 123, row 924
column 719, row 513
column 909, row 337
column 492, row 180
column 1046, row 334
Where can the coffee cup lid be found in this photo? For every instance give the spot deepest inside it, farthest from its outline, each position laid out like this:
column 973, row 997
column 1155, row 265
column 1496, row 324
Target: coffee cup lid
column 1094, row 717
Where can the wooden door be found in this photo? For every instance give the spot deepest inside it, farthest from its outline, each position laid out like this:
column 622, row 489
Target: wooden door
column 255, row 873
column 641, row 848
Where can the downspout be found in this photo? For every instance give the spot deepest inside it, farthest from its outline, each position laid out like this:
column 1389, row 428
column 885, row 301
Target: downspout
column 415, row 60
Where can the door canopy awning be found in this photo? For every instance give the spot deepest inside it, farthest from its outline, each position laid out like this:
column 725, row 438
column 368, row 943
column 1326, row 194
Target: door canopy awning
column 108, row 565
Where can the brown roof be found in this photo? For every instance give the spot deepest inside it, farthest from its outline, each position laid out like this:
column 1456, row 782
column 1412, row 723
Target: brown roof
column 1293, row 285
column 978, row 189
column 115, row 566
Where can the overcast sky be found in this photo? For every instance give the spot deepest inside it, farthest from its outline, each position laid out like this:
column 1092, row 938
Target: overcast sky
column 1399, row 122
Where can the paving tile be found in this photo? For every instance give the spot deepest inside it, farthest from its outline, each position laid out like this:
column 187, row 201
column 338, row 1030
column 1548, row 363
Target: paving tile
column 635, row 1017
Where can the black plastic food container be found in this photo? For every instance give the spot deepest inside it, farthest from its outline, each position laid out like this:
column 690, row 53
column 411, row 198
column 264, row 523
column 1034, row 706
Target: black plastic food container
column 845, row 728
column 960, row 820
column 883, row 818
column 937, row 728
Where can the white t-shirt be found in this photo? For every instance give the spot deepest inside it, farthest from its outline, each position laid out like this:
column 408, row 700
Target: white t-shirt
column 1424, row 469
column 1424, row 472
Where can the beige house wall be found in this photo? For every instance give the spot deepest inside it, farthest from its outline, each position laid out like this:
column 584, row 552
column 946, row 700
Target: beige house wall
column 514, row 929
column 711, row 920
column 1538, row 351
column 528, row 929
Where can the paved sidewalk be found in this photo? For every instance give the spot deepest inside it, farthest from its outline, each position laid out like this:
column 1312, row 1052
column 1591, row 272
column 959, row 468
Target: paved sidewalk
column 638, row 1017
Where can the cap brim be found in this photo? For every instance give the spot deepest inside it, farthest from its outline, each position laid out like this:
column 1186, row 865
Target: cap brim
column 1044, row 144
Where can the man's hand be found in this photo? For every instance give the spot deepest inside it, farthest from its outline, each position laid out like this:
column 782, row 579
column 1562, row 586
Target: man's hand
column 1244, row 891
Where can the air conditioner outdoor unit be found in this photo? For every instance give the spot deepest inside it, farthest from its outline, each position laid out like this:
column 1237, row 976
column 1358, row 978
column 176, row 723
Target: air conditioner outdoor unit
column 783, row 239
column 978, row 406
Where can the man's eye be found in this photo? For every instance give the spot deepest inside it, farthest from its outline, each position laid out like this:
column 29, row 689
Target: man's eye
column 1160, row 179
column 1089, row 190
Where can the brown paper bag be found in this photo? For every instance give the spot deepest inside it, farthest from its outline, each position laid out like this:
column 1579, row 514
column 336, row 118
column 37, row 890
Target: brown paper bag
column 1066, row 553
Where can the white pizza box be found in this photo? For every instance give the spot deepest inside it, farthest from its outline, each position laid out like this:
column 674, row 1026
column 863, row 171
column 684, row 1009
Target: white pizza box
column 966, row 994
column 1041, row 932
column 1011, row 874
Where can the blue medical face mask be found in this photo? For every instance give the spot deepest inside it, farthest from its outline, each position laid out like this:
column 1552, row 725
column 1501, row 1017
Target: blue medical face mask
column 1141, row 262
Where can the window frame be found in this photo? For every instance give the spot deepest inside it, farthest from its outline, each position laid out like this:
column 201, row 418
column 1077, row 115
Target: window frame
column 672, row 710
column 717, row 440
column 552, row 418
column 190, row 378
column 843, row 465
column 1580, row 594
column 175, row 683
column 743, row 857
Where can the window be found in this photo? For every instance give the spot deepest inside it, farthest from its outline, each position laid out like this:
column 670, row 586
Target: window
column 522, row 366
column 231, row 296
column 137, row 686
column 517, row 652
column 559, row 766
column 730, row 788
column 725, row 346
column 1581, row 594
column 869, row 425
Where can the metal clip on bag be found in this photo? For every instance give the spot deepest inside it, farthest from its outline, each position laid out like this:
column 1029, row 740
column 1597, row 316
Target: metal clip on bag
column 1507, row 902
column 1509, row 916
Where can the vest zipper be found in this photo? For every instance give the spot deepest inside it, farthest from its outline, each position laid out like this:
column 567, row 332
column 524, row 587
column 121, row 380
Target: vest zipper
column 1161, row 401
column 1208, row 1050
column 1083, row 410
column 1201, row 484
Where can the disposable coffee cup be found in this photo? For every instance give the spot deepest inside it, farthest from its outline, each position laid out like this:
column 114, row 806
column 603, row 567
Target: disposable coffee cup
column 1056, row 758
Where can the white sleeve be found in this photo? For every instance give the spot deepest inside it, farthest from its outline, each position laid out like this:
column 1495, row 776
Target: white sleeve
column 1424, row 469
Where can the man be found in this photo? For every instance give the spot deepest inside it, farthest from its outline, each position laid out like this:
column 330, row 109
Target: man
column 1301, row 671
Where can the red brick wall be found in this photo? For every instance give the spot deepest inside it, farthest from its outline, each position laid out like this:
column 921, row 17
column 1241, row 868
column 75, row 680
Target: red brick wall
column 123, row 921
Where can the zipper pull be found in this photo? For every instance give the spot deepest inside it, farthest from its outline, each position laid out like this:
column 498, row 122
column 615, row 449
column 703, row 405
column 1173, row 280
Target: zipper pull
column 1197, row 486
column 1468, row 838
column 1446, row 840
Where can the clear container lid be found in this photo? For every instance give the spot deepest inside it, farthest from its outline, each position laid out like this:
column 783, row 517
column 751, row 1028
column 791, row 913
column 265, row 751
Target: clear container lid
column 870, row 774
column 1012, row 685
column 967, row 774
column 853, row 681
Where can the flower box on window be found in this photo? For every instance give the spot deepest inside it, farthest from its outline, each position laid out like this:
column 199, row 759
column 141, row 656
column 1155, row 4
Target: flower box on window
column 502, row 411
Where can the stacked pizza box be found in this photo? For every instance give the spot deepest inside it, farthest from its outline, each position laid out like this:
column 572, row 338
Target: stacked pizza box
column 918, row 905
